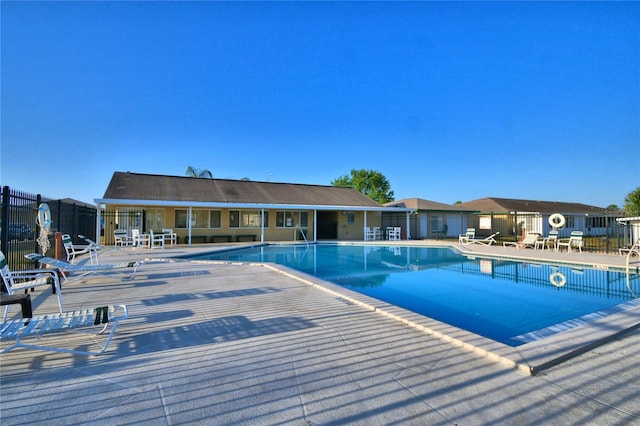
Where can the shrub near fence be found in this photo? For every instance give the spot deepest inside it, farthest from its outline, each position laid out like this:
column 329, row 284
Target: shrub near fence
column 18, row 228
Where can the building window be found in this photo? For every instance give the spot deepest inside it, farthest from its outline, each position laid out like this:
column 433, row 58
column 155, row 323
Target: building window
column 437, row 222
column 181, row 219
column 155, row 218
column 596, row 222
column 351, row 218
column 200, row 218
column 485, row 222
column 214, row 219
column 247, row 219
column 292, row 219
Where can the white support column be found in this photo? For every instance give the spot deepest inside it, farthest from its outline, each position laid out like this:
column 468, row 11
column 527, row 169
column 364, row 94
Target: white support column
column 189, row 226
column 315, row 224
column 408, row 225
column 98, row 219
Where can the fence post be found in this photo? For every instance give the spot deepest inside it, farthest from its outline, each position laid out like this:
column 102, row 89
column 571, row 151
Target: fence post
column 58, row 245
column 4, row 223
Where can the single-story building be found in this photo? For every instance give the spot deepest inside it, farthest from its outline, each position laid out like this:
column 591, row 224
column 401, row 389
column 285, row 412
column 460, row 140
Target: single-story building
column 431, row 219
column 212, row 210
column 513, row 216
column 632, row 225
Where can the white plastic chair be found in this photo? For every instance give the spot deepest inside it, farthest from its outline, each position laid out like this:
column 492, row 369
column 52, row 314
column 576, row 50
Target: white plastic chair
column 468, row 236
column 549, row 242
column 72, row 250
column 169, row 236
column 368, row 234
column 140, row 239
column 377, row 233
column 24, row 280
column 122, row 238
column 574, row 241
column 393, row 234
column 156, row 240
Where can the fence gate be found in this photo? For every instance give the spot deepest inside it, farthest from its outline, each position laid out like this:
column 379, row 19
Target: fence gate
column 126, row 219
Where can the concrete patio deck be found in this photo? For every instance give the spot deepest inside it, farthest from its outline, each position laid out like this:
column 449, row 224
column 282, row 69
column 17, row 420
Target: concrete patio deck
column 214, row 343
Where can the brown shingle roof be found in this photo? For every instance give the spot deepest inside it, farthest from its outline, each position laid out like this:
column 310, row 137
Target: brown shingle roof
column 136, row 186
column 422, row 204
column 500, row 205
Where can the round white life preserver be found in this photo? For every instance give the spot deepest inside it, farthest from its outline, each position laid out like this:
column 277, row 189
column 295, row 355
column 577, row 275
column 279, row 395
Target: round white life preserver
column 558, row 279
column 44, row 216
column 556, row 220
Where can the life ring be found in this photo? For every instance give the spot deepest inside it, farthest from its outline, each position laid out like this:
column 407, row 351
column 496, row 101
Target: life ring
column 556, row 220
column 558, row 279
column 44, row 216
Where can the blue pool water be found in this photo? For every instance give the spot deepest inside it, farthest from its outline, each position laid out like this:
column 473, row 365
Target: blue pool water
column 505, row 301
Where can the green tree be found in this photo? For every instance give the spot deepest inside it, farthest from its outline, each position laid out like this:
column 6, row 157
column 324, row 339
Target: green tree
column 371, row 183
column 198, row 173
column 632, row 203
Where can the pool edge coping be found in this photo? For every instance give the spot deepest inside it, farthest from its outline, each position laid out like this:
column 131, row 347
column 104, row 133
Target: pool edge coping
column 529, row 358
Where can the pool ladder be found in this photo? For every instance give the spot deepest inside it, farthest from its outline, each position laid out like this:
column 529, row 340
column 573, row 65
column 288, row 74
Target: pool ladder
column 303, row 236
column 635, row 248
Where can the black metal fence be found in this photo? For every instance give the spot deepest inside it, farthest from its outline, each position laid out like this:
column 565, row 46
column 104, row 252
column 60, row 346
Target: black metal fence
column 602, row 233
column 19, row 230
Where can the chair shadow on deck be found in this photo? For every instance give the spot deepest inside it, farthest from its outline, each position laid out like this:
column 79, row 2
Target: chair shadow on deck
column 219, row 330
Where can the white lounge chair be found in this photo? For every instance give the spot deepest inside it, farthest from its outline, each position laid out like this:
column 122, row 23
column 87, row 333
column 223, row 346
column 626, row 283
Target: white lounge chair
column 466, row 237
column 29, row 279
column 487, row 241
column 97, row 319
column 574, row 241
column 529, row 241
column 74, row 250
column 66, row 267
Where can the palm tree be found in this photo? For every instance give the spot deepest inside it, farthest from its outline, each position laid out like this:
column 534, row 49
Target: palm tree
column 198, row 173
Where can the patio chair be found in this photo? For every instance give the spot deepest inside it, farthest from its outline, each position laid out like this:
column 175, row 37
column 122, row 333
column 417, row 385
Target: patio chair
column 97, row 319
column 122, row 238
column 574, row 241
column 29, row 279
column 484, row 241
column 529, row 241
column 170, row 236
column 156, row 240
column 140, row 239
column 393, row 233
column 65, row 267
column 377, row 233
column 550, row 241
column 368, row 234
column 73, row 250
column 466, row 237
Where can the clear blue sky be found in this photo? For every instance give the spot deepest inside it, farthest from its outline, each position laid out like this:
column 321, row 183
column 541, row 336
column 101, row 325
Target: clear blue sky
column 449, row 100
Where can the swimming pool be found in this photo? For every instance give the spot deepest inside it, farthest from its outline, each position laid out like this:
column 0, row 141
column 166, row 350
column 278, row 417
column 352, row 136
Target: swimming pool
column 510, row 302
